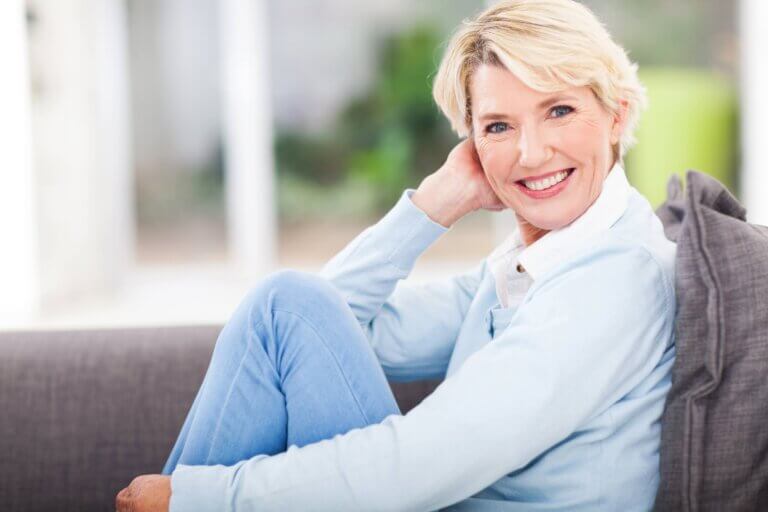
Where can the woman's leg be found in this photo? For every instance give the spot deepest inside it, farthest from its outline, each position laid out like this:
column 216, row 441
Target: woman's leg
column 291, row 366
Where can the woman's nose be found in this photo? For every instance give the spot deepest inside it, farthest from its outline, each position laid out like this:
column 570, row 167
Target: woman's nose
column 534, row 151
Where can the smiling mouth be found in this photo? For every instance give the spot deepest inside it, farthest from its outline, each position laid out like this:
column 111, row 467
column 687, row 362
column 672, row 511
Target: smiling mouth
column 545, row 183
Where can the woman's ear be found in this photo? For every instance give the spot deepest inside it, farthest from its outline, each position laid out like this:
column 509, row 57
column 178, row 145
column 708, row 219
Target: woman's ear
column 619, row 122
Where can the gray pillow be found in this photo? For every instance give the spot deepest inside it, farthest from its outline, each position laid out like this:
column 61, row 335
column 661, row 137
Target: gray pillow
column 714, row 441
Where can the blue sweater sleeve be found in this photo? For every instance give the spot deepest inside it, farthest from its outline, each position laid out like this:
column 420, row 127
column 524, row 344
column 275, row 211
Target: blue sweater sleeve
column 587, row 333
column 411, row 327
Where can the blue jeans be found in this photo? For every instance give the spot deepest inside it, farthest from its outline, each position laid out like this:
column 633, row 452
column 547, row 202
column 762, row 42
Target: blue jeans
column 292, row 366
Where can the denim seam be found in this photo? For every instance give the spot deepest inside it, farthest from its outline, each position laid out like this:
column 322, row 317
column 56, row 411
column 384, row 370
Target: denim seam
column 229, row 394
column 333, row 355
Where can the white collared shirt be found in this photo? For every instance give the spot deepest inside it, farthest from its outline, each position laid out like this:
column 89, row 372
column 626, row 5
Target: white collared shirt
column 557, row 245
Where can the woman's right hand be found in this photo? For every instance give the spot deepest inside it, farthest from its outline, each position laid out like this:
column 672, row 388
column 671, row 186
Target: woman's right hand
column 457, row 188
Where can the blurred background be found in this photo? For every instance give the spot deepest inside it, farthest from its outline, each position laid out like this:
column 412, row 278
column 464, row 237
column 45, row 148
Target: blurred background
column 160, row 156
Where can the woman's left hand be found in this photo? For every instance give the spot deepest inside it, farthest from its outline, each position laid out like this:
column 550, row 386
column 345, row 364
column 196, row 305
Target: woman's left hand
column 147, row 493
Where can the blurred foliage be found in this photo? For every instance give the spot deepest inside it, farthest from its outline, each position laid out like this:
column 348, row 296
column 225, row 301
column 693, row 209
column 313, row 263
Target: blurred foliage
column 700, row 33
column 315, row 159
column 171, row 196
column 389, row 138
column 299, row 200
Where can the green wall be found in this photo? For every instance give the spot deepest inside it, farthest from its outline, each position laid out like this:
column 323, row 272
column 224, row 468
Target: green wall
column 690, row 123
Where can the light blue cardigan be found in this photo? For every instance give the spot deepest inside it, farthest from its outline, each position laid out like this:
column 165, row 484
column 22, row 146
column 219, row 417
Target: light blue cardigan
column 551, row 403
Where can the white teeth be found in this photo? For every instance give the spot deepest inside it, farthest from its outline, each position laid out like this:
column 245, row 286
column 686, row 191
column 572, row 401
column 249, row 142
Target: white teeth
column 547, row 182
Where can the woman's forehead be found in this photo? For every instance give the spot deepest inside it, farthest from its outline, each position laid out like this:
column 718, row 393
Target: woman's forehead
column 496, row 89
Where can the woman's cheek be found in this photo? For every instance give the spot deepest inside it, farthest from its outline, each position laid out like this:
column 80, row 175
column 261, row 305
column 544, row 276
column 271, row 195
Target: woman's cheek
column 483, row 153
column 580, row 134
column 481, row 144
column 492, row 170
column 485, row 161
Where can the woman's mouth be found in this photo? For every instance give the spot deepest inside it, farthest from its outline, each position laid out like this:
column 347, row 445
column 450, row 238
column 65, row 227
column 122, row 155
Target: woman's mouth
column 546, row 187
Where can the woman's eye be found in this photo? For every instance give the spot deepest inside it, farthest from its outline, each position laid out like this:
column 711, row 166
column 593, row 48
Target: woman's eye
column 561, row 110
column 496, row 127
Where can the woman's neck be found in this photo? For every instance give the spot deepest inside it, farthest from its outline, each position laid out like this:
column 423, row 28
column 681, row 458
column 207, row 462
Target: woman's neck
column 528, row 232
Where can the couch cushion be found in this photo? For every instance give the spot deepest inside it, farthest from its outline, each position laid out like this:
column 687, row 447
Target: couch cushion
column 714, row 447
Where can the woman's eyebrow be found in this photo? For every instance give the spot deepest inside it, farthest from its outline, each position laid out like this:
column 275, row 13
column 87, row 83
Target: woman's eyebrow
column 491, row 115
column 542, row 104
column 554, row 99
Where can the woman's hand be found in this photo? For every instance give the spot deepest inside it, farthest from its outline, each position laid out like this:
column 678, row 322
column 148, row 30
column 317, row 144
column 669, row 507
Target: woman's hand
column 457, row 188
column 147, row 493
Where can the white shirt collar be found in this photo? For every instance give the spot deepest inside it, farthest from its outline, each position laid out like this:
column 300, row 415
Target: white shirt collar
column 557, row 245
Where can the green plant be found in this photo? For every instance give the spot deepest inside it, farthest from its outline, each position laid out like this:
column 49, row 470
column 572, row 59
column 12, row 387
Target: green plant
column 390, row 137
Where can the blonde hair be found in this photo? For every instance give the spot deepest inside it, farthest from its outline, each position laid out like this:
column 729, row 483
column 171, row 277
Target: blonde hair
column 548, row 45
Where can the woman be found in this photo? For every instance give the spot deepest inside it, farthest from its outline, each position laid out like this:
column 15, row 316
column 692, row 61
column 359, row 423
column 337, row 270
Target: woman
column 556, row 349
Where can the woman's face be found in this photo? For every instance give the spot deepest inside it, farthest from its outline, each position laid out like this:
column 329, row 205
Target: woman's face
column 523, row 134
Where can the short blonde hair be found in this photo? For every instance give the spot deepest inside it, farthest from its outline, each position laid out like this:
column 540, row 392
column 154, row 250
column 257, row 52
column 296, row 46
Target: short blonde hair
column 548, row 45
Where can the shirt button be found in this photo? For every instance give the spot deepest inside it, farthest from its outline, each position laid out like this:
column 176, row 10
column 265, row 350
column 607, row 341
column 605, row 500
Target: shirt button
column 520, row 268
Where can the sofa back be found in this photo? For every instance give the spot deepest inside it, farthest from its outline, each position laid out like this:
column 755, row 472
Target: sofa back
column 84, row 412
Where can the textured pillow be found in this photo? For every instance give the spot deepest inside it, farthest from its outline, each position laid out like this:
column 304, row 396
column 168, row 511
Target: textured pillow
column 714, row 442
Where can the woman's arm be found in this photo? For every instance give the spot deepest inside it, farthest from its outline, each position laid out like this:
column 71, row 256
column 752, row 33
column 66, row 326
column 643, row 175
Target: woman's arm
column 413, row 327
column 589, row 332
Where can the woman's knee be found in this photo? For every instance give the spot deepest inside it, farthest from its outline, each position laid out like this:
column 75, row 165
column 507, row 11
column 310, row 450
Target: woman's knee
column 261, row 310
column 295, row 282
column 294, row 290
column 307, row 306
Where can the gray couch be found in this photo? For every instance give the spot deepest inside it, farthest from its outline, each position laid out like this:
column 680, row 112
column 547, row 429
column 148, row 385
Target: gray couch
column 82, row 413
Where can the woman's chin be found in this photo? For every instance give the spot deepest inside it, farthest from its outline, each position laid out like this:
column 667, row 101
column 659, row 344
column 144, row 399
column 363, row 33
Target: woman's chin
column 548, row 223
